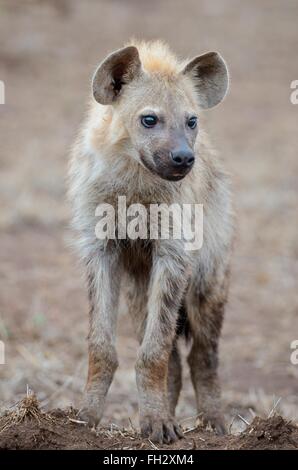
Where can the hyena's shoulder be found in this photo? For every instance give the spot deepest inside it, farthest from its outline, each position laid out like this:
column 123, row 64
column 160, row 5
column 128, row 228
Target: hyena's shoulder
column 218, row 222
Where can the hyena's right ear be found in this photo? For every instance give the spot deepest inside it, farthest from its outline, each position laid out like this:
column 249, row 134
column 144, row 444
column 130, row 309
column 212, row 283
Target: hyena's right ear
column 118, row 69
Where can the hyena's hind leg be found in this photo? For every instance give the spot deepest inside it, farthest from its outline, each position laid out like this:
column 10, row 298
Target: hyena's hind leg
column 205, row 313
column 175, row 365
column 174, row 378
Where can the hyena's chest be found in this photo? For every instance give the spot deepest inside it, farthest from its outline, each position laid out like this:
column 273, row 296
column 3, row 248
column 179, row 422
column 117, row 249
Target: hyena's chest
column 136, row 257
column 140, row 222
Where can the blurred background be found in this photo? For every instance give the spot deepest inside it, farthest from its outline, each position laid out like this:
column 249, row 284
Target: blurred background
column 48, row 52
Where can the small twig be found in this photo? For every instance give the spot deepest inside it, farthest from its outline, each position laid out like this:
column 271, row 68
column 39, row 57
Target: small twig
column 153, row 445
column 244, row 420
column 274, row 407
column 193, row 429
column 232, row 422
column 189, row 430
column 77, row 421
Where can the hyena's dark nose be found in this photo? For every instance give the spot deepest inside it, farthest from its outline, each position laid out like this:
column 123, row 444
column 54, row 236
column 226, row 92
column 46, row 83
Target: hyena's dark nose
column 182, row 158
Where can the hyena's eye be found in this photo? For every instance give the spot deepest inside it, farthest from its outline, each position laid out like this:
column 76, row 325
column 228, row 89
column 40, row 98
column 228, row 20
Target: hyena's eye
column 149, row 121
column 192, row 122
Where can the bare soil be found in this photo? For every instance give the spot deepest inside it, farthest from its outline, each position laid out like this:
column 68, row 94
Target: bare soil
column 28, row 427
column 48, row 51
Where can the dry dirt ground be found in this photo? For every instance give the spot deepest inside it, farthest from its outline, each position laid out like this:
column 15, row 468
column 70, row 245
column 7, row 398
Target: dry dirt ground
column 28, row 427
column 48, row 51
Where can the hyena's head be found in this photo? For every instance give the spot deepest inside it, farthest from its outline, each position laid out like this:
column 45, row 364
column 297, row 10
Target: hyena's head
column 158, row 101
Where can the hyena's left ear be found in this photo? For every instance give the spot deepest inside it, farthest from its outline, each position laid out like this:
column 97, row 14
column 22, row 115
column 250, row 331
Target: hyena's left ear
column 210, row 75
column 118, row 69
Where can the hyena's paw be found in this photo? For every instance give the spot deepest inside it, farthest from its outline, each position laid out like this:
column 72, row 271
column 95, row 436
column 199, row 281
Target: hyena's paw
column 160, row 430
column 214, row 421
column 91, row 409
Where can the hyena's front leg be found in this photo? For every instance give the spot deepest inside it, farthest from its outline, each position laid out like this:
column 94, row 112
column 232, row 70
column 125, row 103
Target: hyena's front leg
column 206, row 316
column 103, row 280
column 166, row 289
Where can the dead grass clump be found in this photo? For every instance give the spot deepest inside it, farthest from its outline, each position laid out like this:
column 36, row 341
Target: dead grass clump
column 26, row 409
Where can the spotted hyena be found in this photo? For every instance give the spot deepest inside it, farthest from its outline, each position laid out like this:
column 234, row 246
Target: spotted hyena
column 143, row 139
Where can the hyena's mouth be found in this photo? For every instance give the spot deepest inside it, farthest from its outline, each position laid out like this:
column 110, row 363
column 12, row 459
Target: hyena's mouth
column 164, row 171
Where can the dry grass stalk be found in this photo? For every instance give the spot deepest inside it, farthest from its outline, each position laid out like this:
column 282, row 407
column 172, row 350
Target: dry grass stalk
column 27, row 408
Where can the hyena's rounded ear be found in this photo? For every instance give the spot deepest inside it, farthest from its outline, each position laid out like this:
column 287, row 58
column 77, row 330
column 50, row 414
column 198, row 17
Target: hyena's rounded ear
column 210, row 75
column 118, row 69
